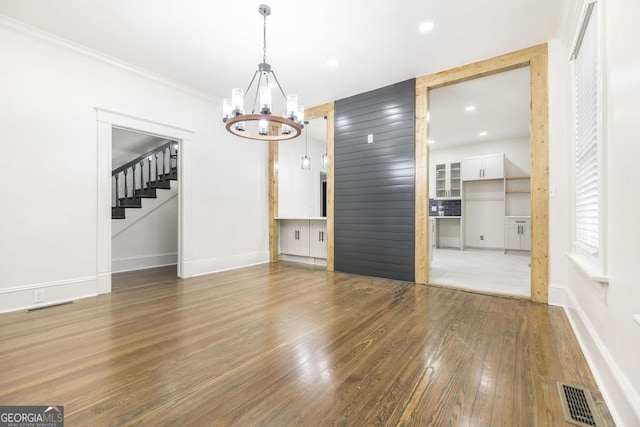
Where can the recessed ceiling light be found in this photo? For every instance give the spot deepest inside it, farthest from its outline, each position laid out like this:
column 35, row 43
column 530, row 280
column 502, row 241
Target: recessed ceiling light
column 470, row 108
column 427, row 26
column 430, row 141
column 483, row 133
column 332, row 63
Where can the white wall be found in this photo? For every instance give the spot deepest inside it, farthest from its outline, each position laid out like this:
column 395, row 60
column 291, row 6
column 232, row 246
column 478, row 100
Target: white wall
column 47, row 116
column 147, row 237
column 602, row 315
column 299, row 190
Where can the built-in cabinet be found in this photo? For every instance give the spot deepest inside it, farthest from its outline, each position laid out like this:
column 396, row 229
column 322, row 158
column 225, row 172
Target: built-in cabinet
column 483, row 167
column 303, row 237
column 317, row 239
column 448, row 181
column 517, row 233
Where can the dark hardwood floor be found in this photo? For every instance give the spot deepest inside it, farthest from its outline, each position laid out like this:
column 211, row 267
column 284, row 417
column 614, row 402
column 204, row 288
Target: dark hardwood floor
column 281, row 345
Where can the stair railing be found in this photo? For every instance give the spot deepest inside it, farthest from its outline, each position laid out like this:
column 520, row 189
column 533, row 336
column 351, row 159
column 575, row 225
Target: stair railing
column 161, row 162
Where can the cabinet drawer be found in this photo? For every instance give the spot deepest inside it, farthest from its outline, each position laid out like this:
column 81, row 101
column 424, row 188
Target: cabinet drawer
column 517, row 221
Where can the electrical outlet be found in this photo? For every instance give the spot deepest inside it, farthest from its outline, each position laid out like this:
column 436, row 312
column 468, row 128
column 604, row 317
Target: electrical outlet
column 481, row 237
column 38, row 295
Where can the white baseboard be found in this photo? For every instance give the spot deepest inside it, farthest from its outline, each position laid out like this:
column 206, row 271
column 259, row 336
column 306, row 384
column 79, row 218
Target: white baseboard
column 320, row 262
column 557, row 295
column 21, row 298
column 623, row 402
column 119, row 265
column 213, row 265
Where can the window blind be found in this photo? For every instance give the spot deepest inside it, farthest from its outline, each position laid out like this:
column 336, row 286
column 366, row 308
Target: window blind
column 586, row 65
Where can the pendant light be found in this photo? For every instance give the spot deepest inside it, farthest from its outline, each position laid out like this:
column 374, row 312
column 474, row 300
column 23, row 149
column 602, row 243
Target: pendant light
column 256, row 125
column 306, row 160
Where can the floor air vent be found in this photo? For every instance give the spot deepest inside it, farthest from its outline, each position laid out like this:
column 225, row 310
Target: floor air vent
column 577, row 405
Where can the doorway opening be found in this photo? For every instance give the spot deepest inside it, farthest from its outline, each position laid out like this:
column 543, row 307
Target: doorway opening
column 108, row 122
column 479, row 192
column 144, row 212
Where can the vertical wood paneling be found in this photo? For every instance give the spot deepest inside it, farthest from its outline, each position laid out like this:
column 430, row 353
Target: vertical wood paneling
column 374, row 187
column 422, row 187
column 539, row 179
column 274, row 232
column 327, row 111
column 330, row 189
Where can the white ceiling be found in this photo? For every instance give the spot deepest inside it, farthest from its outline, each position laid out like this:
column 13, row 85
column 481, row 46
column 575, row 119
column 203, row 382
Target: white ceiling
column 501, row 104
column 214, row 46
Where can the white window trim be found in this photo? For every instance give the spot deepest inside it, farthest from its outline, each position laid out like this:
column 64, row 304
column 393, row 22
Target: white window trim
column 591, row 261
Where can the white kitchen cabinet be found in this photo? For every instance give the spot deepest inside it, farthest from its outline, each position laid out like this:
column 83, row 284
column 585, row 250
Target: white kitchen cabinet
column 317, row 239
column 294, row 237
column 483, row 167
column 303, row 237
column 517, row 233
column 448, row 181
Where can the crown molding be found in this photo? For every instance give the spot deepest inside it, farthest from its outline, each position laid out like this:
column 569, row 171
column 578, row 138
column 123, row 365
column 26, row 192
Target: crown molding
column 38, row 34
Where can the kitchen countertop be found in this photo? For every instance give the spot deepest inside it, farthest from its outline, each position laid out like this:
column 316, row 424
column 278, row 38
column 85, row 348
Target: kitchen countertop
column 312, row 218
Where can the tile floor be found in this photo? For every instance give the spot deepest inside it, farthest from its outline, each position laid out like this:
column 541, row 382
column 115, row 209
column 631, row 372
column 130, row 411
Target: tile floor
column 482, row 270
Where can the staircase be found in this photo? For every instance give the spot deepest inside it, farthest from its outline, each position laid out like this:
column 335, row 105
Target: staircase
column 142, row 177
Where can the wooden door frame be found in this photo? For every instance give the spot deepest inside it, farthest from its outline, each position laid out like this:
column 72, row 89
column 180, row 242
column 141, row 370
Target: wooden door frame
column 536, row 58
column 323, row 110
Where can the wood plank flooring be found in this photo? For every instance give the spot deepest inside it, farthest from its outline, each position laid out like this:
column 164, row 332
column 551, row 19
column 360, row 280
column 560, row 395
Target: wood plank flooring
column 280, row 345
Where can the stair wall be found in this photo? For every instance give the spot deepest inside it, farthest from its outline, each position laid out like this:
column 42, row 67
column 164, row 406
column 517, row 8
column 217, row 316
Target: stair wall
column 148, row 237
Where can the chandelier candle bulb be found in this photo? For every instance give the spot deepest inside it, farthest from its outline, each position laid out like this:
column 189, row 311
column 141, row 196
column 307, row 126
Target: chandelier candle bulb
column 226, row 109
column 300, row 114
column 285, row 129
column 292, row 105
column 237, row 101
column 240, row 126
column 263, row 127
column 265, row 100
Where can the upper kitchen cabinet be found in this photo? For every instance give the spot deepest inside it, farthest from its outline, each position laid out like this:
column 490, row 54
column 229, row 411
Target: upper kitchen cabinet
column 483, row 167
column 448, row 184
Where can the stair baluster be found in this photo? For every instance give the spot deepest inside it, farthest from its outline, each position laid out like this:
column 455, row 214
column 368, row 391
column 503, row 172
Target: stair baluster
column 117, row 191
column 142, row 174
column 126, row 190
column 133, row 181
column 163, row 163
column 156, row 166
column 149, row 162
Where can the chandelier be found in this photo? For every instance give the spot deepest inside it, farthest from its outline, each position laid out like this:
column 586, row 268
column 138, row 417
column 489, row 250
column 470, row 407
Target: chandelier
column 256, row 125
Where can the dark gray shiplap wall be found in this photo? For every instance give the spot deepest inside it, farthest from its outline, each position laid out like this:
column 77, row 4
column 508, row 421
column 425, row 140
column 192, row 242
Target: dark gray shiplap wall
column 374, row 183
